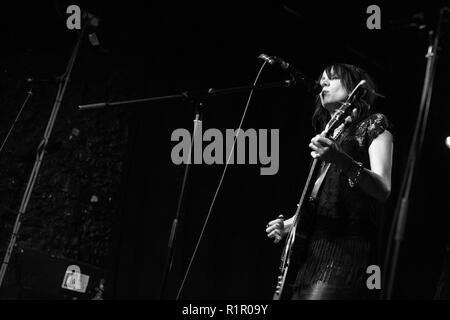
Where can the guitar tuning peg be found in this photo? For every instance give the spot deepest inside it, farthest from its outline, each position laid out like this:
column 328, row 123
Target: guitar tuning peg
column 348, row 120
column 354, row 112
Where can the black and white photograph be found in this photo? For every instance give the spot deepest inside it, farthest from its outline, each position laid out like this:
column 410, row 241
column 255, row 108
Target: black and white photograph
column 224, row 155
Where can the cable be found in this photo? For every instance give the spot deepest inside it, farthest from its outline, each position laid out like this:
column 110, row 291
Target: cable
column 29, row 94
column 220, row 183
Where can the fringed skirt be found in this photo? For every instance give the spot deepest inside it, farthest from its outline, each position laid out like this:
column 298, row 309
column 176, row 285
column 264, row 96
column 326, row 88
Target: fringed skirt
column 333, row 270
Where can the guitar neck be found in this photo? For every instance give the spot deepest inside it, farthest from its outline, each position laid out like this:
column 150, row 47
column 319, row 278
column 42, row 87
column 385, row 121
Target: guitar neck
column 306, row 189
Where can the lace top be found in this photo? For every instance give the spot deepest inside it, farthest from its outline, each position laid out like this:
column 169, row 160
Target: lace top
column 351, row 210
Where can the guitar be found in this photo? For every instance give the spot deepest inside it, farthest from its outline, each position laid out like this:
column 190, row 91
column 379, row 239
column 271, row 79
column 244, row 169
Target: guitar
column 298, row 234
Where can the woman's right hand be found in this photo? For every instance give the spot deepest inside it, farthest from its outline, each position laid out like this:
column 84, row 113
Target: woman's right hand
column 278, row 228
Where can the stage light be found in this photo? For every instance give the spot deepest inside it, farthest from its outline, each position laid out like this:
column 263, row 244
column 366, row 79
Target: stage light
column 447, row 142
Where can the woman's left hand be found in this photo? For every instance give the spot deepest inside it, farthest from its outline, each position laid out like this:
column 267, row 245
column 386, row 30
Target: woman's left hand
column 326, row 150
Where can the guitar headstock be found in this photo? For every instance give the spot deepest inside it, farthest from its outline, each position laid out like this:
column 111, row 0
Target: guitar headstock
column 346, row 113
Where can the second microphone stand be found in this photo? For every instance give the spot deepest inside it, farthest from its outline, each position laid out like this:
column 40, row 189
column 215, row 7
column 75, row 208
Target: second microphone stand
column 402, row 206
column 41, row 149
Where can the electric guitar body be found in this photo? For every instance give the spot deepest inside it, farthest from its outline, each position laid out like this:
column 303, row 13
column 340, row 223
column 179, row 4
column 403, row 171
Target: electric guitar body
column 294, row 254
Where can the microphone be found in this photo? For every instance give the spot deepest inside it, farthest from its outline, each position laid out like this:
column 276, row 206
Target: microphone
column 312, row 86
column 286, row 66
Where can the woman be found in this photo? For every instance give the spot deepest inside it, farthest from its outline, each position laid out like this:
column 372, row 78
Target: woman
column 353, row 180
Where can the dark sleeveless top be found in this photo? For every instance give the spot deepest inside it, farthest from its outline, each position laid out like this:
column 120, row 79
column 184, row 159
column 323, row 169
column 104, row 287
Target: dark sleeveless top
column 343, row 237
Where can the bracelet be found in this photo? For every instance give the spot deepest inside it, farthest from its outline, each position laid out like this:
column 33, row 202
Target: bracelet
column 353, row 181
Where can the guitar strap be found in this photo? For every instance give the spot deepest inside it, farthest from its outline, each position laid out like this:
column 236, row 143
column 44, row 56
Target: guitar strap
column 322, row 173
column 324, row 168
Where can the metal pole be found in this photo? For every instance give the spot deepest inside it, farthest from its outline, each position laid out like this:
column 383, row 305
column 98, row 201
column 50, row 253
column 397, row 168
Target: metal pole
column 39, row 157
column 402, row 206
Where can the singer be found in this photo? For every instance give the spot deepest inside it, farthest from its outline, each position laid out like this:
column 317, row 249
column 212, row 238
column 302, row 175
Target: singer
column 352, row 182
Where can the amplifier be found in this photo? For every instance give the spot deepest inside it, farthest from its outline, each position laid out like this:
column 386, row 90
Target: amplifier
column 33, row 274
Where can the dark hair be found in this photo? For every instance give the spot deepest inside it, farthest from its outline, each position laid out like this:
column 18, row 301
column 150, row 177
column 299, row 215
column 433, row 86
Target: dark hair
column 350, row 76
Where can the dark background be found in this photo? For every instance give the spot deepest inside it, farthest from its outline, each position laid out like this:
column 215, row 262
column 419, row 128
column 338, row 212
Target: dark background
column 122, row 155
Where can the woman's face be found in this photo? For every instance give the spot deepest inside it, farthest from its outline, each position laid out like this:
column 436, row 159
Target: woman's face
column 333, row 92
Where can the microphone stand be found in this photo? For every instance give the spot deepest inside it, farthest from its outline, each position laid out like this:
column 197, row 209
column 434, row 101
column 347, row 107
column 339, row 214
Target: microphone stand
column 198, row 99
column 401, row 211
column 193, row 96
column 40, row 152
